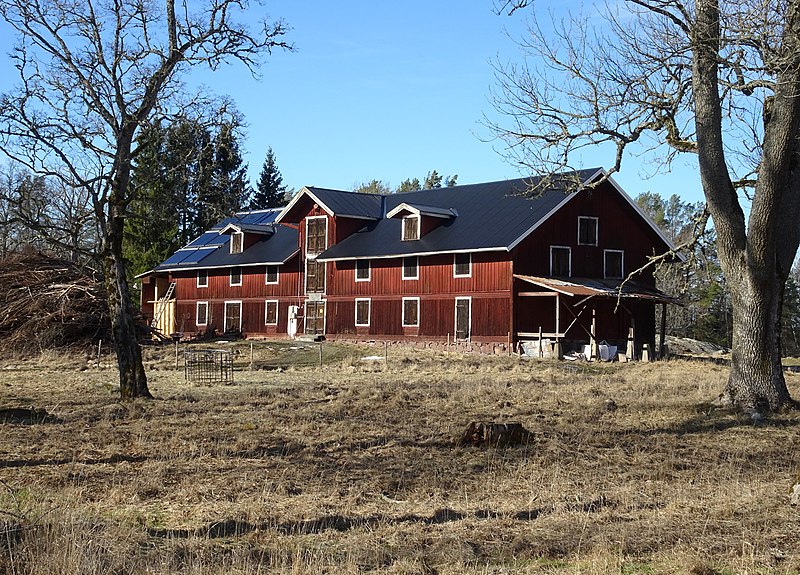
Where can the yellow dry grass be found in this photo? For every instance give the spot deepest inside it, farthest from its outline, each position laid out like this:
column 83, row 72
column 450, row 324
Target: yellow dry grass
column 353, row 468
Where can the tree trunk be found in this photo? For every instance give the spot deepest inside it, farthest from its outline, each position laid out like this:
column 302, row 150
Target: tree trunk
column 756, row 381
column 132, row 378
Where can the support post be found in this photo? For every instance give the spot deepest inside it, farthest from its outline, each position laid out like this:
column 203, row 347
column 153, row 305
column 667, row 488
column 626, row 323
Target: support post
column 663, row 332
column 251, row 356
column 595, row 350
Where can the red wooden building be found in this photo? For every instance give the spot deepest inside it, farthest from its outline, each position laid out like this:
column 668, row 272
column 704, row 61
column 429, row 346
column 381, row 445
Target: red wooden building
column 480, row 262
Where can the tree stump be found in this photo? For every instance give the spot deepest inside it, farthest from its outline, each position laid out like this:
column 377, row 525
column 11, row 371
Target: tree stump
column 492, row 434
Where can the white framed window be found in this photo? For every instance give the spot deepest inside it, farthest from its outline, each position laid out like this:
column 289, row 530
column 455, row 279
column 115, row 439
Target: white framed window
column 410, row 312
column 363, row 311
column 560, row 261
column 233, row 316
column 613, row 264
column 237, row 242
column 462, row 265
column 410, row 268
column 272, row 275
column 201, row 313
column 271, row 312
column 587, row 230
column 363, row 271
column 236, row 276
column 410, row 228
column 202, row 278
column 316, row 234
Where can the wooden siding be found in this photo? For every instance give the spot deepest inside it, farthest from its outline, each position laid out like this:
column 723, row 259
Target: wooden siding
column 619, row 228
column 491, row 273
column 436, row 317
column 253, row 311
column 254, row 283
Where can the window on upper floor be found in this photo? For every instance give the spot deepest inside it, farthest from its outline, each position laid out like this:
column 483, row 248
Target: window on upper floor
column 410, row 228
column 362, row 271
column 560, row 261
column 587, row 231
column 271, row 312
column 362, row 311
column 613, row 265
column 410, row 268
column 316, row 235
column 202, row 278
column 237, row 242
column 462, row 265
column 236, row 276
column 272, row 275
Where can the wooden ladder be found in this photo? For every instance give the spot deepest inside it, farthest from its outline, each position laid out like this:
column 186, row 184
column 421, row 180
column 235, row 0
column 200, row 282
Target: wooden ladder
column 162, row 305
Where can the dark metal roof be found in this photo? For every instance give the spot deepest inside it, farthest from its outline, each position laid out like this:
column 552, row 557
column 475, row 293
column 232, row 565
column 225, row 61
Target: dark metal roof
column 491, row 216
column 349, row 204
column 212, row 249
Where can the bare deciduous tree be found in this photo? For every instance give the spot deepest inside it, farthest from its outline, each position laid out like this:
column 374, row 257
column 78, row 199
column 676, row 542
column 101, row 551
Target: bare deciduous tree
column 720, row 80
column 90, row 75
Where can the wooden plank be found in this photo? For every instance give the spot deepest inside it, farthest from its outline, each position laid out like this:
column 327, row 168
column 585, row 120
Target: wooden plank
column 535, row 334
column 538, row 294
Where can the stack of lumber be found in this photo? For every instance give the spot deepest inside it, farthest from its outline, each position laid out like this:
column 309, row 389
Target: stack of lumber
column 49, row 303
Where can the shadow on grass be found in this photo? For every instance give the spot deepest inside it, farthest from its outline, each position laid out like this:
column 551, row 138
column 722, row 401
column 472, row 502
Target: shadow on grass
column 724, row 420
column 96, row 461
column 234, row 528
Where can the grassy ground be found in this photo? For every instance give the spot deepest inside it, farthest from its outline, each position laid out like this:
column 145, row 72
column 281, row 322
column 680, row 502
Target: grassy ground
column 352, row 467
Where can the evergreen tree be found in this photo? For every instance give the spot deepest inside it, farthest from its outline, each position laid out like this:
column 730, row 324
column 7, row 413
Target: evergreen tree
column 270, row 189
column 408, row 185
column 228, row 190
column 186, row 179
column 373, row 187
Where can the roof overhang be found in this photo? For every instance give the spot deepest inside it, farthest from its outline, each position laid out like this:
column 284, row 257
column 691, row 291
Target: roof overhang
column 221, row 266
column 262, row 230
column 321, row 257
column 605, row 288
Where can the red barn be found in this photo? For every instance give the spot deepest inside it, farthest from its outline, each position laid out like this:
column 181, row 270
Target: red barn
column 480, row 262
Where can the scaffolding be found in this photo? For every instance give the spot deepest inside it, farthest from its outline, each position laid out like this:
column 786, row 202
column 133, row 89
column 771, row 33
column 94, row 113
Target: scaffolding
column 208, row 366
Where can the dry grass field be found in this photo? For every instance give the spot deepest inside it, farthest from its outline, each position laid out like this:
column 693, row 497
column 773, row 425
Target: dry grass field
column 353, row 467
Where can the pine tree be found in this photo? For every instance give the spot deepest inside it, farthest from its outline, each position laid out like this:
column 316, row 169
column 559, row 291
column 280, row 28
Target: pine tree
column 222, row 175
column 270, row 191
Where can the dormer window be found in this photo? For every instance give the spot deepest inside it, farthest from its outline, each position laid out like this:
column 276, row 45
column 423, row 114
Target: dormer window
column 587, row 231
column 410, row 228
column 237, row 242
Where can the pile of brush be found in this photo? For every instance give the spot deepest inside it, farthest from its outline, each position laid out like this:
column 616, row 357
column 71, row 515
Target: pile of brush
column 49, row 303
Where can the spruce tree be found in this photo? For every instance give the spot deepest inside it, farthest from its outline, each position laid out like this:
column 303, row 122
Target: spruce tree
column 270, row 191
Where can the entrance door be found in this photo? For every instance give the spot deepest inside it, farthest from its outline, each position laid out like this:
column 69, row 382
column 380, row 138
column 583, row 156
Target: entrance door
column 315, row 318
column 463, row 317
column 233, row 316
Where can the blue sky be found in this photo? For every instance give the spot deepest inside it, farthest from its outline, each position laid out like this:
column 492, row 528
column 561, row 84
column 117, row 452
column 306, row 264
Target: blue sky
column 387, row 91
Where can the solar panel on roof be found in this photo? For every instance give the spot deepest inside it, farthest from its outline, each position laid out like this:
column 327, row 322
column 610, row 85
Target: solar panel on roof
column 207, row 239
column 195, row 256
column 185, row 256
column 175, row 258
